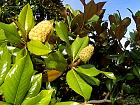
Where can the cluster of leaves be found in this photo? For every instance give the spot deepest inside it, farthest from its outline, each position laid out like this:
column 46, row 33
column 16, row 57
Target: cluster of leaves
column 32, row 72
column 50, row 9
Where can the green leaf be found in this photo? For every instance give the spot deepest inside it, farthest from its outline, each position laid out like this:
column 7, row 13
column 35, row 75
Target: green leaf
column 5, row 63
column 17, row 80
column 93, row 19
column 78, row 84
column 137, row 14
column 129, row 76
column 89, row 79
column 74, row 12
column 136, row 70
column 89, row 70
column 121, row 58
column 67, row 103
column 109, row 75
column 4, row 103
column 38, row 48
column 2, row 35
column 43, row 98
column 54, row 60
column 109, row 84
column 26, row 18
column 20, row 54
column 62, row 31
column 35, row 86
column 11, row 32
column 78, row 45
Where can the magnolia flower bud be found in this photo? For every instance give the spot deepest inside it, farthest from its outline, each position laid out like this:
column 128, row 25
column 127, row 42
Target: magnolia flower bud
column 41, row 31
column 86, row 53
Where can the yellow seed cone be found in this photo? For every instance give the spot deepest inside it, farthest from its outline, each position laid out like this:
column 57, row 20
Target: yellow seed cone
column 86, row 53
column 41, row 31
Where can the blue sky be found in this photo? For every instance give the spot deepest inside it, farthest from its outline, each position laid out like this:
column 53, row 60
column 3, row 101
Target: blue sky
column 111, row 6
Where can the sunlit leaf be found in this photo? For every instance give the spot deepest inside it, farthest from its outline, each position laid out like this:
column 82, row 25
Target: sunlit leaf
column 74, row 12
column 5, row 63
column 43, row 98
column 38, row 48
column 2, row 35
column 62, row 31
column 89, row 70
column 78, row 84
column 17, row 80
column 35, row 86
column 109, row 75
column 4, row 103
column 78, row 45
column 93, row 19
column 26, row 18
column 11, row 32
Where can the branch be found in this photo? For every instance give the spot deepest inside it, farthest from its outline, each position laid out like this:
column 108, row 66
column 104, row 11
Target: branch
column 98, row 101
column 75, row 64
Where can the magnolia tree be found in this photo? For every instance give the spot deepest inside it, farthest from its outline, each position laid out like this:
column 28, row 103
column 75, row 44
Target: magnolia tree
column 79, row 60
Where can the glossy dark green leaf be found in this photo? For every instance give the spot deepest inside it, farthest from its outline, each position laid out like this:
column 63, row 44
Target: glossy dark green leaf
column 129, row 89
column 78, row 84
column 89, row 79
column 109, row 84
column 121, row 58
column 11, row 32
column 36, row 81
column 26, row 18
column 77, row 46
column 136, row 70
column 5, row 63
column 117, row 87
column 17, row 80
column 56, row 61
column 43, row 98
column 38, row 48
column 130, row 76
column 89, row 70
column 67, row 103
column 62, row 31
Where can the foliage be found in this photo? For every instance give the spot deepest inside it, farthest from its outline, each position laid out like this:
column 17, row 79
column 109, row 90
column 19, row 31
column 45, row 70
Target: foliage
column 50, row 9
column 50, row 72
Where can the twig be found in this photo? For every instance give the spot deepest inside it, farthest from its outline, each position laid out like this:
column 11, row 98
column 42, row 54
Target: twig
column 98, row 101
column 75, row 64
